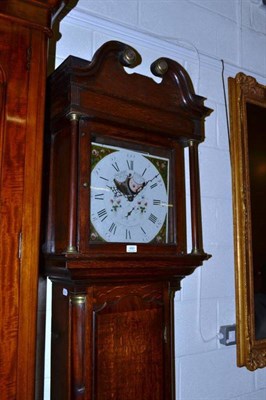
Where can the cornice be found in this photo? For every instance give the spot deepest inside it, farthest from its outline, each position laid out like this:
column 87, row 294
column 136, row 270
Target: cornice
column 38, row 14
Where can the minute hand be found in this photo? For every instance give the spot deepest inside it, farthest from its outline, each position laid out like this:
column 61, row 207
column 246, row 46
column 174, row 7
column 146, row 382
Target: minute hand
column 150, row 180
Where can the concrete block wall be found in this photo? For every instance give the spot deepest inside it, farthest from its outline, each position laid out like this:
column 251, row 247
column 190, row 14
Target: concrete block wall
column 198, row 34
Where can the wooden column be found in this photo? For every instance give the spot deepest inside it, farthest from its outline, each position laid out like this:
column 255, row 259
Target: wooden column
column 196, row 226
column 73, row 178
column 78, row 302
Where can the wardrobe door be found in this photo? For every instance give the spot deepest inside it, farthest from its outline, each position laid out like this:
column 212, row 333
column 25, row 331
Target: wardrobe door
column 24, row 33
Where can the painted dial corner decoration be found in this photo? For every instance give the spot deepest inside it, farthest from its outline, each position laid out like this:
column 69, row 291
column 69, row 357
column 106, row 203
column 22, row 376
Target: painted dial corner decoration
column 129, row 196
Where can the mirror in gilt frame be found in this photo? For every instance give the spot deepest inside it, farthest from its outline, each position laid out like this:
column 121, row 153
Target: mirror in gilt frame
column 248, row 155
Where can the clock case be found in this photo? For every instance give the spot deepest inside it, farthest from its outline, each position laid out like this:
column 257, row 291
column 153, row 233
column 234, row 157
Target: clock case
column 101, row 101
column 112, row 311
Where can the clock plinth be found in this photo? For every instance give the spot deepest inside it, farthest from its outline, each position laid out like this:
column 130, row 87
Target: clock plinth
column 116, row 233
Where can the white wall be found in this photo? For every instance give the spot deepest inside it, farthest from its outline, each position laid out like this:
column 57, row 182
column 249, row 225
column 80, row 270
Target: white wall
column 198, row 34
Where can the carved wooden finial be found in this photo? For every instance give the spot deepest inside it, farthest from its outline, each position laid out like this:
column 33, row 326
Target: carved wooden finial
column 159, row 67
column 128, row 57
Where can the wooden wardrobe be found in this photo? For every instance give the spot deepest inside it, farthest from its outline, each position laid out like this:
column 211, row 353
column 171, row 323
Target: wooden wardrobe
column 25, row 28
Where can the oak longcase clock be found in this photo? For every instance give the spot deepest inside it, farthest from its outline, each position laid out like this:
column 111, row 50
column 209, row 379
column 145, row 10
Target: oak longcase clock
column 116, row 238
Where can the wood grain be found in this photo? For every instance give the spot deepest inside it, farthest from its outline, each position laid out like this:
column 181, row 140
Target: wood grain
column 24, row 30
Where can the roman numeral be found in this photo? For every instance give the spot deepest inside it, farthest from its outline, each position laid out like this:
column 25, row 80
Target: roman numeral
column 144, row 171
column 128, row 234
column 153, row 218
column 116, row 167
column 113, row 228
column 130, row 164
column 157, row 202
column 102, row 214
column 143, row 230
column 105, row 179
column 153, row 185
column 99, row 196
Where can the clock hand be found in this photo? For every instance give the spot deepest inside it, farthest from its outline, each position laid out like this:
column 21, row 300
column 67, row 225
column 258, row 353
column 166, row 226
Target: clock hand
column 129, row 188
column 130, row 212
column 150, row 180
column 142, row 187
column 121, row 189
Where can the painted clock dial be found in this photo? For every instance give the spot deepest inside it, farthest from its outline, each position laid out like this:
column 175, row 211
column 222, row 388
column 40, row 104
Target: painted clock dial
column 129, row 196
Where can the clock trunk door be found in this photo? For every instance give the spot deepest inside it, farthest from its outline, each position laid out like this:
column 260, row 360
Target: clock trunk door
column 129, row 361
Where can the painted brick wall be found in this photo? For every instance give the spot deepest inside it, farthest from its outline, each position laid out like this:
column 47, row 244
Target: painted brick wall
column 198, row 34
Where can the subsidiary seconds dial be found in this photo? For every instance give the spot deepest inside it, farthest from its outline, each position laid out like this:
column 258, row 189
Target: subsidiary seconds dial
column 129, row 196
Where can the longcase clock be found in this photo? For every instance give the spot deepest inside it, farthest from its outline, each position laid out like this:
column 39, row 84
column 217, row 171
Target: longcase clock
column 116, row 237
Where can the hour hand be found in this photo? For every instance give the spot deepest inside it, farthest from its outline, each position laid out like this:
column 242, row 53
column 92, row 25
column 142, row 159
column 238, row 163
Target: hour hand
column 130, row 212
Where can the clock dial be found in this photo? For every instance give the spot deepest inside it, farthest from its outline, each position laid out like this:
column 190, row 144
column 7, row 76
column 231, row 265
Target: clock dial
column 129, row 196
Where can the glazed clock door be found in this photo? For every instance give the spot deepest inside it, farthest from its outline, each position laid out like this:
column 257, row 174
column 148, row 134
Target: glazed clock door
column 129, row 195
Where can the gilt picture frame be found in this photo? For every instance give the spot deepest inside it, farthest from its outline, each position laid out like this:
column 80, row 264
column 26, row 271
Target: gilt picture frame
column 247, row 105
